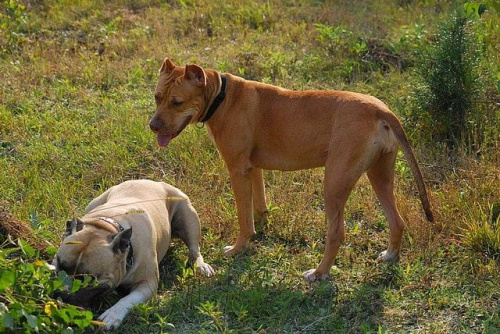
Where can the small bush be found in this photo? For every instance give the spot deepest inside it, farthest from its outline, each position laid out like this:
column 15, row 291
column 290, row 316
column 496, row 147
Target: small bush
column 450, row 84
column 26, row 287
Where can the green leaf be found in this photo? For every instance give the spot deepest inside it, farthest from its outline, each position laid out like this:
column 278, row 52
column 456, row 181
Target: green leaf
column 76, row 286
column 26, row 248
column 7, row 319
column 51, row 251
column 63, row 314
column 474, row 9
column 32, row 320
column 64, row 278
column 83, row 319
column 34, row 220
column 481, row 9
column 7, row 278
column 6, row 252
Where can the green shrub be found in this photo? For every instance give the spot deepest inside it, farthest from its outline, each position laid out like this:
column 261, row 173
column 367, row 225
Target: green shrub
column 26, row 289
column 450, row 84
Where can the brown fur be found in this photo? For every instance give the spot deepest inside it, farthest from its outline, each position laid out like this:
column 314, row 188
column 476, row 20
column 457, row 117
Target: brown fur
column 260, row 126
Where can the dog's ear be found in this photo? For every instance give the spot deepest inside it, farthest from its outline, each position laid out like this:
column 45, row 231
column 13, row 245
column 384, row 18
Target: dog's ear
column 167, row 66
column 121, row 241
column 73, row 226
column 196, row 75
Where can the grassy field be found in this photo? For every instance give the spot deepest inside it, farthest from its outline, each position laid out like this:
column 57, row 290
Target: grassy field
column 76, row 93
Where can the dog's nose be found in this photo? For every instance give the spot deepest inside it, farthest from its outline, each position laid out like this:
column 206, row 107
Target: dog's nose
column 155, row 124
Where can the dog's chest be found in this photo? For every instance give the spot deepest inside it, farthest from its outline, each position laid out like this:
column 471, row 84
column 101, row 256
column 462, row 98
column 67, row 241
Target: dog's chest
column 210, row 135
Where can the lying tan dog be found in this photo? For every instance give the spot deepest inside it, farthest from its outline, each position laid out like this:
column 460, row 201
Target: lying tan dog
column 123, row 236
column 258, row 126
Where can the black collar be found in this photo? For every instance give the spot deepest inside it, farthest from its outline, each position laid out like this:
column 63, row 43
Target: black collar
column 217, row 101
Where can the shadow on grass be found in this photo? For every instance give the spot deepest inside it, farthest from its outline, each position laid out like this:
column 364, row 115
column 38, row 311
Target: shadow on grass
column 362, row 309
column 249, row 296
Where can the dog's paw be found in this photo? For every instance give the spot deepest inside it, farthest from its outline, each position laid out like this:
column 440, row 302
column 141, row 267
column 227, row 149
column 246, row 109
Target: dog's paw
column 260, row 218
column 230, row 251
column 311, row 275
column 112, row 319
column 386, row 256
column 206, row 269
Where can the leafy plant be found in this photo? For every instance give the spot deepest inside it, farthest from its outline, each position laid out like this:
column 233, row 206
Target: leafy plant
column 340, row 42
column 12, row 19
column 450, row 83
column 483, row 235
column 357, row 56
column 26, row 289
column 216, row 317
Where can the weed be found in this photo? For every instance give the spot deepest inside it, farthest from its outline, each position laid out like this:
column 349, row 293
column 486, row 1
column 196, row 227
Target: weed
column 482, row 235
column 27, row 286
column 216, row 322
column 12, row 26
column 451, row 83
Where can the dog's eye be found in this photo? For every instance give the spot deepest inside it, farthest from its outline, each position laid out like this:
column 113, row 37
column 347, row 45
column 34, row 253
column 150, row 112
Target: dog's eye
column 176, row 102
column 157, row 98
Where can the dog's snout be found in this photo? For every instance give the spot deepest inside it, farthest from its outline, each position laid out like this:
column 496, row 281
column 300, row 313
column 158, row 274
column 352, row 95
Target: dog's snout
column 55, row 263
column 155, row 124
column 62, row 265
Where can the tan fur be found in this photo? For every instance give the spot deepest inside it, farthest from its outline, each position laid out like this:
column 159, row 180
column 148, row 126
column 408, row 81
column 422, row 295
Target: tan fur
column 260, row 126
column 155, row 211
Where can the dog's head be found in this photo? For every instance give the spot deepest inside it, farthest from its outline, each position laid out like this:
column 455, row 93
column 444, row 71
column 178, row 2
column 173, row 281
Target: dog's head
column 94, row 251
column 180, row 100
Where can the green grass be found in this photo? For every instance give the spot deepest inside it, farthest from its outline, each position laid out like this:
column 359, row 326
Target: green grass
column 76, row 93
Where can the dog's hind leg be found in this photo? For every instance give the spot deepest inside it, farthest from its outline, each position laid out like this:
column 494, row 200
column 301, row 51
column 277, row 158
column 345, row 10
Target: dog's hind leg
column 186, row 226
column 349, row 159
column 337, row 190
column 381, row 176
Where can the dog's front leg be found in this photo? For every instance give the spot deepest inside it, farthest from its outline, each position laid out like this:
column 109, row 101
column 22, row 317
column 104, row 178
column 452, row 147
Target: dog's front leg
column 113, row 317
column 260, row 210
column 241, row 182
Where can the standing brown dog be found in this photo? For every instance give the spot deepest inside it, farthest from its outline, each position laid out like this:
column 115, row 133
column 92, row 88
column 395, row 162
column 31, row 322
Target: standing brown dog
column 258, row 126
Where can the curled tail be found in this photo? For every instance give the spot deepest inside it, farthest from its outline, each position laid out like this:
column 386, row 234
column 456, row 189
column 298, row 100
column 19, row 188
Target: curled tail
column 400, row 134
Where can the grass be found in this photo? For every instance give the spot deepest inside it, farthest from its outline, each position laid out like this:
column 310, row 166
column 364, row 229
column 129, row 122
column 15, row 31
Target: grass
column 75, row 99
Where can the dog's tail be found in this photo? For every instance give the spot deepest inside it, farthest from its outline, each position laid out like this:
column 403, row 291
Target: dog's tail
column 400, row 134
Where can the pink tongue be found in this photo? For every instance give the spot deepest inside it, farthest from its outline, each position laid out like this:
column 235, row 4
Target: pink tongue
column 163, row 140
